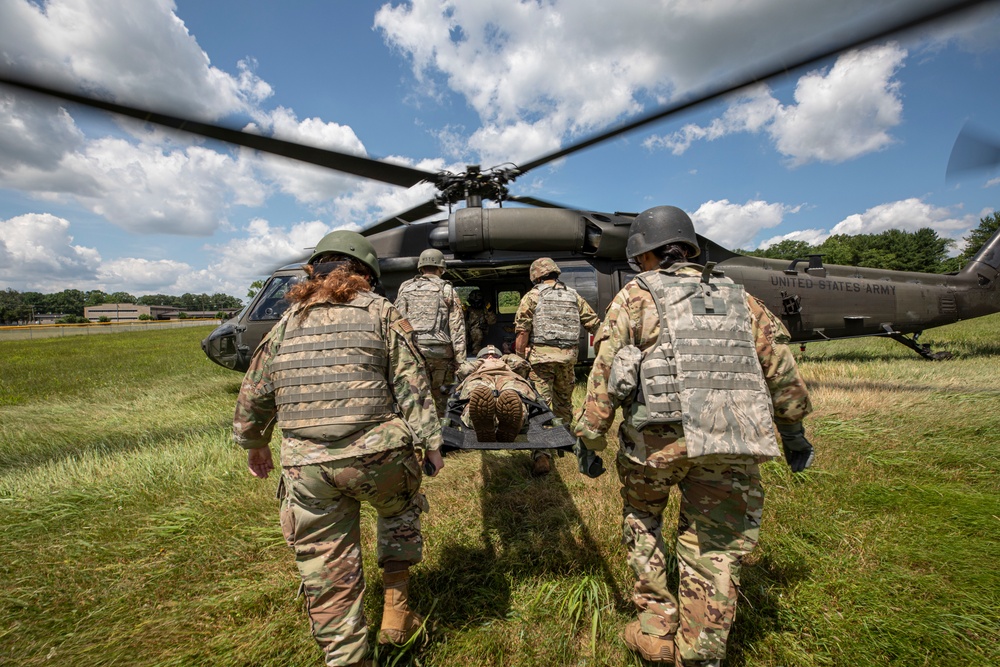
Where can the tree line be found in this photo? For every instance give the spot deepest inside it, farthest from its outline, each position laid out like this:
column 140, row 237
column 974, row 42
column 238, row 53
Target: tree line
column 922, row 250
column 16, row 307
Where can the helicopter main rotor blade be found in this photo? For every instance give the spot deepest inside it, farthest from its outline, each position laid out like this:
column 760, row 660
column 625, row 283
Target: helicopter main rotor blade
column 973, row 150
column 418, row 212
column 535, row 201
column 763, row 74
column 350, row 164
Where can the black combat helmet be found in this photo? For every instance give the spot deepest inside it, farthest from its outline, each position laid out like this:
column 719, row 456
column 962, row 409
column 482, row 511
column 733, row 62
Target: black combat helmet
column 656, row 227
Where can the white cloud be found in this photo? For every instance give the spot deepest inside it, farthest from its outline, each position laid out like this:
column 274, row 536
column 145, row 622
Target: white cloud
column 140, row 276
column 907, row 215
column 120, row 47
column 39, row 253
column 265, row 248
column 509, row 61
column 810, row 236
column 735, row 225
column 838, row 114
column 845, row 112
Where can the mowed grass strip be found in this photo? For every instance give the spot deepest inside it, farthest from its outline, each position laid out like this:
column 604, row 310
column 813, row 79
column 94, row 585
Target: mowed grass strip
column 133, row 534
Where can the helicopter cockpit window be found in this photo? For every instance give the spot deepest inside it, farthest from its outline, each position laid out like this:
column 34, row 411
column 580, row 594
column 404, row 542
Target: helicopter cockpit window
column 271, row 302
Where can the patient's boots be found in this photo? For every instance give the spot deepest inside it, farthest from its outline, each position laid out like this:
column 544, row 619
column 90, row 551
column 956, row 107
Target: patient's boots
column 482, row 412
column 510, row 415
column 399, row 623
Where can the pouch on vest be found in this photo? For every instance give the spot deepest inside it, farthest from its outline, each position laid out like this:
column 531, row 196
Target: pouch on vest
column 624, row 376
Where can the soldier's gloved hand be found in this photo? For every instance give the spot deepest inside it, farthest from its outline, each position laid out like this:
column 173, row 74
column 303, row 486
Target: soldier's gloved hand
column 798, row 451
column 589, row 462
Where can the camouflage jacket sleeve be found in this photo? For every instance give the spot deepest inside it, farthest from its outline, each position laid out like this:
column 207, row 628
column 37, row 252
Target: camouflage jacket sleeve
column 410, row 385
column 517, row 365
column 456, row 324
column 588, row 317
column 256, row 411
column 526, row 311
column 788, row 389
column 597, row 412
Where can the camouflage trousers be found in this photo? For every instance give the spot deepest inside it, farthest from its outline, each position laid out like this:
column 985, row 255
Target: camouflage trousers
column 321, row 521
column 720, row 510
column 555, row 382
column 441, row 373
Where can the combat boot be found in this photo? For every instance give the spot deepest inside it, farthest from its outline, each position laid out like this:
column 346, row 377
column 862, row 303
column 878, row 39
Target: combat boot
column 650, row 647
column 399, row 622
column 510, row 414
column 482, row 412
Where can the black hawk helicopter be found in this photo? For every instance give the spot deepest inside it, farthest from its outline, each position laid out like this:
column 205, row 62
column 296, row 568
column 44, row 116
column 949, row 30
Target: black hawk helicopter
column 490, row 249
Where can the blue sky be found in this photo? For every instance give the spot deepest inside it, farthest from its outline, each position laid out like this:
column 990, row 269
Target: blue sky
column 855, row 144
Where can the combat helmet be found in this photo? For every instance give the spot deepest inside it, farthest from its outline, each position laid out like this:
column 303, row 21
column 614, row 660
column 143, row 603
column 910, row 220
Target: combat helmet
column 431, row 257
column 542, row 267
column 351, row 244
column 488, row 350
column 658, row 226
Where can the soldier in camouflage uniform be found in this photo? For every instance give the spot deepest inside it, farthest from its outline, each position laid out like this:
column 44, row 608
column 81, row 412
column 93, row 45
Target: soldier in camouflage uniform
column 479, row 317
column 342, row 378
column 435, row 312
column 702, row 372
column 495, row 385
column 547, row 330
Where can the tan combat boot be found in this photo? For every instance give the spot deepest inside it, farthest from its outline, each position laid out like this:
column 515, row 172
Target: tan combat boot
column 510, row 415
column 482, row 412
column 650, row 647
column 399, row 623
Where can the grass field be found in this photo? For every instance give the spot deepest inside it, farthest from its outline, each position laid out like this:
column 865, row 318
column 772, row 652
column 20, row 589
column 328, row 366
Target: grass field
column 133, row 535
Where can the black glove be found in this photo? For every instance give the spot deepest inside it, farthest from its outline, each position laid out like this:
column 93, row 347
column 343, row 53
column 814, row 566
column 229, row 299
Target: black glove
column 590, row 463
column 798, row 451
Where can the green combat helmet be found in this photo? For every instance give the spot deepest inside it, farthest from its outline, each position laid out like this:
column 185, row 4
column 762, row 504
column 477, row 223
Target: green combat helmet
column 351, row 244
column 542, row 267
column 431, row 257
column 658, row 226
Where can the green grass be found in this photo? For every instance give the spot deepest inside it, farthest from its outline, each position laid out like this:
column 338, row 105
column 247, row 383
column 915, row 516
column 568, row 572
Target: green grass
column 133, row 535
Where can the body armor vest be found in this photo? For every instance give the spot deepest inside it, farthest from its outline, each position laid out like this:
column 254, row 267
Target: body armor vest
column 427, row 311
column 703, row 371
column 557, row 317
column 330, row 372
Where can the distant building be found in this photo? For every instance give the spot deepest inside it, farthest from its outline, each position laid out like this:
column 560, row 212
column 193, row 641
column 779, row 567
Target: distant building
column 128, row 312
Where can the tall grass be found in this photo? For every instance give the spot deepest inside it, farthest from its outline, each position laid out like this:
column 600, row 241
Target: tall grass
column 133, row 535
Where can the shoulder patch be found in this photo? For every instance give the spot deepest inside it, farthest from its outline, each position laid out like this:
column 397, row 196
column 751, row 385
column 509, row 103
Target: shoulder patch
column 405, row 325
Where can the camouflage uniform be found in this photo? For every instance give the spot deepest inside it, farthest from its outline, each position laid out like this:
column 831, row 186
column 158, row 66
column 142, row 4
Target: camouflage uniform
column 553, row 366
column 441, row 371
column 325, row 481
column 721, row 495
column 508, row 372
column 477, row 323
